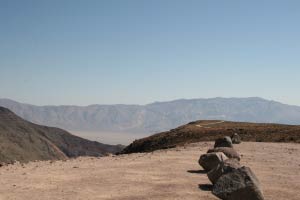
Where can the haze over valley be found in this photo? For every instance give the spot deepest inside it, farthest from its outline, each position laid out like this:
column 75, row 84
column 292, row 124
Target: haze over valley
column 121, row 124
column 149, row 100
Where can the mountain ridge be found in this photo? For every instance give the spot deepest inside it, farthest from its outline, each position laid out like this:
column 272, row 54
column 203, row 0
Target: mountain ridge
column 24, row 141
column 157, row 116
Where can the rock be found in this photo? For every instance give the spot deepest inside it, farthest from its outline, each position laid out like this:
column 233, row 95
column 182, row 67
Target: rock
column 236, row 139
column 228, row 151
column 223, row 142
column 239, row 184
column 224, row 167
column 211, row 160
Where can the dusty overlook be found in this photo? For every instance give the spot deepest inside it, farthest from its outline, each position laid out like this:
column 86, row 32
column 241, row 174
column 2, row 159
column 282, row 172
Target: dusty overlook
column 164, row 174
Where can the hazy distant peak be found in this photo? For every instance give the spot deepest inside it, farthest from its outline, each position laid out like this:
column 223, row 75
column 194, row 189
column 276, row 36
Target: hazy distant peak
column 155, row 117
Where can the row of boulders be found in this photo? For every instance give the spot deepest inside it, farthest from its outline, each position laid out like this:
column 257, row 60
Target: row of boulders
column 231, row 180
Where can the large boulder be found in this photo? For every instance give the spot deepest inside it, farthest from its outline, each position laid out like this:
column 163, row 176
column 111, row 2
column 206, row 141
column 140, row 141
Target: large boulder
column 223, row 142
column 239, row 184
column 224, row 167
column 236, row 139
column 211, row 160
column 228, row 151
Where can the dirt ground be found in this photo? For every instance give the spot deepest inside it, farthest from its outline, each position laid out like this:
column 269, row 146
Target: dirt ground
column 165, row 174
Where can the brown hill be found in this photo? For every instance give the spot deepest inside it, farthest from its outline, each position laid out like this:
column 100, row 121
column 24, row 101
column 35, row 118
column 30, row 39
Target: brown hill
column 210, row 130
column 24, row 141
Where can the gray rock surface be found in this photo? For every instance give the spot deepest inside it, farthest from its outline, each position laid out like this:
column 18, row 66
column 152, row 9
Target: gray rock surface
column 211, row 160
column 224, row 167
column 228, row 151
column 223, row 142
column 240, row 184
column 236, row 138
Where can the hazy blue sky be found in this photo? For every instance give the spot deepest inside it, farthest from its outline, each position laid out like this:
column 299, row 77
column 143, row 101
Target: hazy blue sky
column 87, row 52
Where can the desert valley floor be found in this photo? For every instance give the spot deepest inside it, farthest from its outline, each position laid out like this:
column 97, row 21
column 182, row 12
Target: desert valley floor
column 165, row 174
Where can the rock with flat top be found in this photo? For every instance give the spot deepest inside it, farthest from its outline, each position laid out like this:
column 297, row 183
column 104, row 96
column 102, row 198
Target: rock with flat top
column 211, row 160
column 228, row 151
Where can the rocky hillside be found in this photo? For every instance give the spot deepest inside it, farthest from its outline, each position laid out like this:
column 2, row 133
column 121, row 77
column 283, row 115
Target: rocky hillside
column 24, row 141
column 210, row 130
column 155, row 117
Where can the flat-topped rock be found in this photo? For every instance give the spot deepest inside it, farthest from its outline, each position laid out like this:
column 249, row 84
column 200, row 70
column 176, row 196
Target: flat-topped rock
column 228, row 151
column 211, row 160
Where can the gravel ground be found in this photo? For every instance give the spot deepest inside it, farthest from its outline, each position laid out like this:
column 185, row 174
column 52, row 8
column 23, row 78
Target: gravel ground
column 165, row 174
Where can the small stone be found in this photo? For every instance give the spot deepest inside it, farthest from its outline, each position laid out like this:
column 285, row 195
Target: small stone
column 236, row 139
column 223, row 142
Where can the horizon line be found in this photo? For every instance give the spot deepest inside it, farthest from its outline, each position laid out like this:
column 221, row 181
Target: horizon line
column 154, row 102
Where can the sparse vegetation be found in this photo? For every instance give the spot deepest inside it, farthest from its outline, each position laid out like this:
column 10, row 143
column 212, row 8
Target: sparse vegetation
column 197, row 131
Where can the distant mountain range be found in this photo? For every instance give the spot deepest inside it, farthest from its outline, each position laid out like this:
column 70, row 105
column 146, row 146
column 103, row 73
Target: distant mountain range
column 24, row 141
column 155, row 117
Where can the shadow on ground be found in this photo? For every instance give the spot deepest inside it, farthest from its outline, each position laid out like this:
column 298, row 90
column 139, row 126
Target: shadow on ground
column 205, row 187
column 196, row 171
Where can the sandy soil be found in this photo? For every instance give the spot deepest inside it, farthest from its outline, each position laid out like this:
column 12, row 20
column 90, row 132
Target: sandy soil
column 168, row 174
